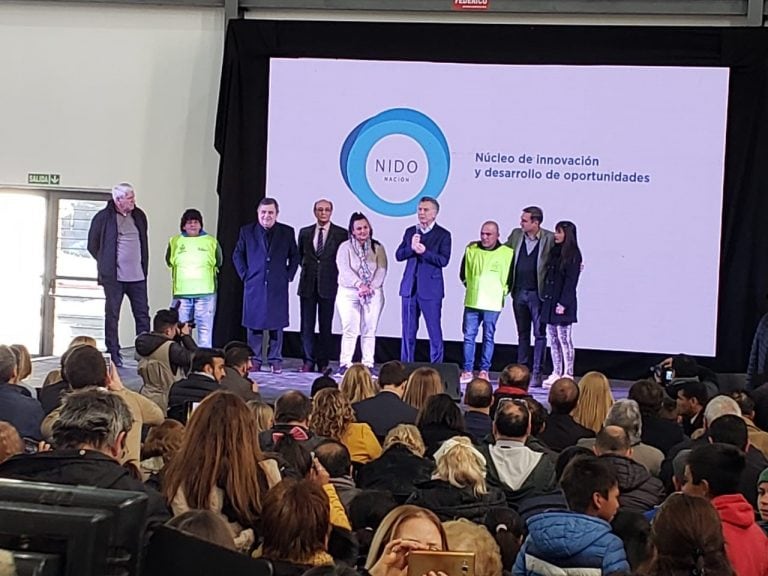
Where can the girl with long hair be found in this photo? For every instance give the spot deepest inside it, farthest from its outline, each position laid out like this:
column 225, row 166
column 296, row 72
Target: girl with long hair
column 358, row 383
column 595, row 401
column 220, row 466
column 362, row 264
column 558, row 309
column 422, row 383
column 332, row 417
column 688, row 539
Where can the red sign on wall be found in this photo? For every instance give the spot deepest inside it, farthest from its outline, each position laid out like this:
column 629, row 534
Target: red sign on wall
column 470, row 4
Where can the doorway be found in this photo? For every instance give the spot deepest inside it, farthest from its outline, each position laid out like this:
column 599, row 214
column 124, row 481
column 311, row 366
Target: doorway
column 50, row 293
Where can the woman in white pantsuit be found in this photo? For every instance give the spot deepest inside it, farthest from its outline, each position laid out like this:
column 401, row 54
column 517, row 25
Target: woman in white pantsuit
column 362, row 264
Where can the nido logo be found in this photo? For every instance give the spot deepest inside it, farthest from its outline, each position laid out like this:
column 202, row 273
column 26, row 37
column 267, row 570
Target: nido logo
column 392, row 159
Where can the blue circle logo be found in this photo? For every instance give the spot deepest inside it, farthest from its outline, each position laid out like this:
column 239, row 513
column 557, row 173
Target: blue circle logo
column 396, row 121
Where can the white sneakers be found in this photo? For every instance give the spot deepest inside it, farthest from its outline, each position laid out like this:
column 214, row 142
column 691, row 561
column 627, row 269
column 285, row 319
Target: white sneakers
column 466, row 377
column 550, row 380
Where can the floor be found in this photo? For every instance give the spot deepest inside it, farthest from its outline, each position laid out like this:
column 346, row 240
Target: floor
column 271, row 385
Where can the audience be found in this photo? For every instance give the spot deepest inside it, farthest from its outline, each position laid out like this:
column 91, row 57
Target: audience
column 89, row 436
column 513, row 467
column 466, row 536
column 299, row 512
column 638, row 490
column 218, row 469
column 478, row 399
column 386, row 410
column 203, row 380
column 357, row 384
column 264, row 414
column 237, row 366
column 55, row 376
column 422, row 383
column 402, row 465
column 762, row 498
column 23, row 367
column 320, row 383
column 17, row 407
column 595, row 401
column 688, row 539
column 580, row 537
column 657, row 431
column 635, row 532
column 757, row 437
column 561, row 429
column 438, row 420
column 404, row 529
column 713, row 472
column 366, row 511
column 162, row 443
column 458, row 488
column 85, row 368
column 333, row 417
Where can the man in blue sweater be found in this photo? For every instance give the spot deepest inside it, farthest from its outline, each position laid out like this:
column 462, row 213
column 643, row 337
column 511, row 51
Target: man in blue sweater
column 426, row 250
column 579, row 541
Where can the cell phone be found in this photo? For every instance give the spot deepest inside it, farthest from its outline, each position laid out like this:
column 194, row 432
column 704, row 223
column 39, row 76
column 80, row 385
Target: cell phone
column 668, row 375
column 31, row 446
column 421, row 562
column 107, row 361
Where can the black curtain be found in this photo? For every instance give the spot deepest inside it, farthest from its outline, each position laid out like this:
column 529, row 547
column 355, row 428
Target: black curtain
column 241, row 136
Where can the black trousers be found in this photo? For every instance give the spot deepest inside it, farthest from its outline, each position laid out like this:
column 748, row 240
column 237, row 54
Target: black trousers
column 114, row 291
column 321, row 309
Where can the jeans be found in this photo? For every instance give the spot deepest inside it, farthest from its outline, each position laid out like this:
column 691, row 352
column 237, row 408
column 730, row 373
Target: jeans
column 527, row 307
column 113, row 299
column 201, row 310
column 358, row 319
column 472, row 320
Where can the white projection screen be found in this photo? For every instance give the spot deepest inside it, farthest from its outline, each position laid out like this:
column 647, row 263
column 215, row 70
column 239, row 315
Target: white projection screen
column 634, row 156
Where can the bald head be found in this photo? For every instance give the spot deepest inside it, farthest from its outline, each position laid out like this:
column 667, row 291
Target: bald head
column 515, row 375
column 613, row 440
column 479, row 394
column 563, row 396
column 489, row 234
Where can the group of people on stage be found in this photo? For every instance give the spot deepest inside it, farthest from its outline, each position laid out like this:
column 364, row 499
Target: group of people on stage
column 345, row 269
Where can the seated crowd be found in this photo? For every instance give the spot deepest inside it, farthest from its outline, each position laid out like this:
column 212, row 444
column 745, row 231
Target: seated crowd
column 360, row 475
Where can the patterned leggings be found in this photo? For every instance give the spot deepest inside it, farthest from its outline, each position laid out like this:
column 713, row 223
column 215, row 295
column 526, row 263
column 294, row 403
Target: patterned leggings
column 562, row 348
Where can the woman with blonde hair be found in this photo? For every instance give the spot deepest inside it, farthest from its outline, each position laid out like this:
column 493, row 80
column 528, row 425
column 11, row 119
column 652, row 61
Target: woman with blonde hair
column 332, row 416
column 357, row 383
column 401, row 467
column 458, row 488
column 466, row 536
column 264, row 414
column 220, row 468
column 55, row 375
column 404, row 529
column 595, row 401
column 422, row 383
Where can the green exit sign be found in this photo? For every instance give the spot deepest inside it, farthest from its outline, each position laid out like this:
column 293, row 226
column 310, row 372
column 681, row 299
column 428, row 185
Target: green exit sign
column 44, row 179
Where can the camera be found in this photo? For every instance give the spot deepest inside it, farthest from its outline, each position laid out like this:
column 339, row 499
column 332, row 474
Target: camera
column 190, row 323
column 662, row 373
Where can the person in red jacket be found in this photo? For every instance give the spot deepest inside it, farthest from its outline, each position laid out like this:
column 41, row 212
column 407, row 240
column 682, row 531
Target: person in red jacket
column 713, row 471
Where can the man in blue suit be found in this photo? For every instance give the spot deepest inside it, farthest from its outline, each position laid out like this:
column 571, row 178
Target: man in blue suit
column 426, row 248
column 266, row 259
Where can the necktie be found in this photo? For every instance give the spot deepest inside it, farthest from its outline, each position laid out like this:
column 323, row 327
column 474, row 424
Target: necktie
column 320, row 243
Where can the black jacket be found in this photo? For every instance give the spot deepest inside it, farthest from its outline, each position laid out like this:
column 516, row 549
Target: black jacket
column 17, row 407
column 383, row 412
column 397, row 470
column 192, row 389
column 435, row 434
column 451, row 503
column 240, row 385
column 102, row 241
column 180, row 353
column 82, row 468
column 690, row 426
column 479, row 425
column 560, row 288
column 638, row 490
column 50, row 396
column 661, row 433
column 320, row 269
column 562, row 431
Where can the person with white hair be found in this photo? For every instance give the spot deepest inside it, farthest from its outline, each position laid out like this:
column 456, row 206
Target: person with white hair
column 118, row 240
column 625, row 413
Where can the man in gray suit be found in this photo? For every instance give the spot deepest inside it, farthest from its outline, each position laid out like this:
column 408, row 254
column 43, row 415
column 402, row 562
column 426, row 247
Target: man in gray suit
column 532, row 245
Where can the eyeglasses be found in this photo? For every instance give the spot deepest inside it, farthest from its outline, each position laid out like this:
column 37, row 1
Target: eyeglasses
column 507, row 399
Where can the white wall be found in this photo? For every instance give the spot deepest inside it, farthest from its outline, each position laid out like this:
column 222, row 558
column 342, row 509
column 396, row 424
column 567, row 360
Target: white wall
column 104, row 93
